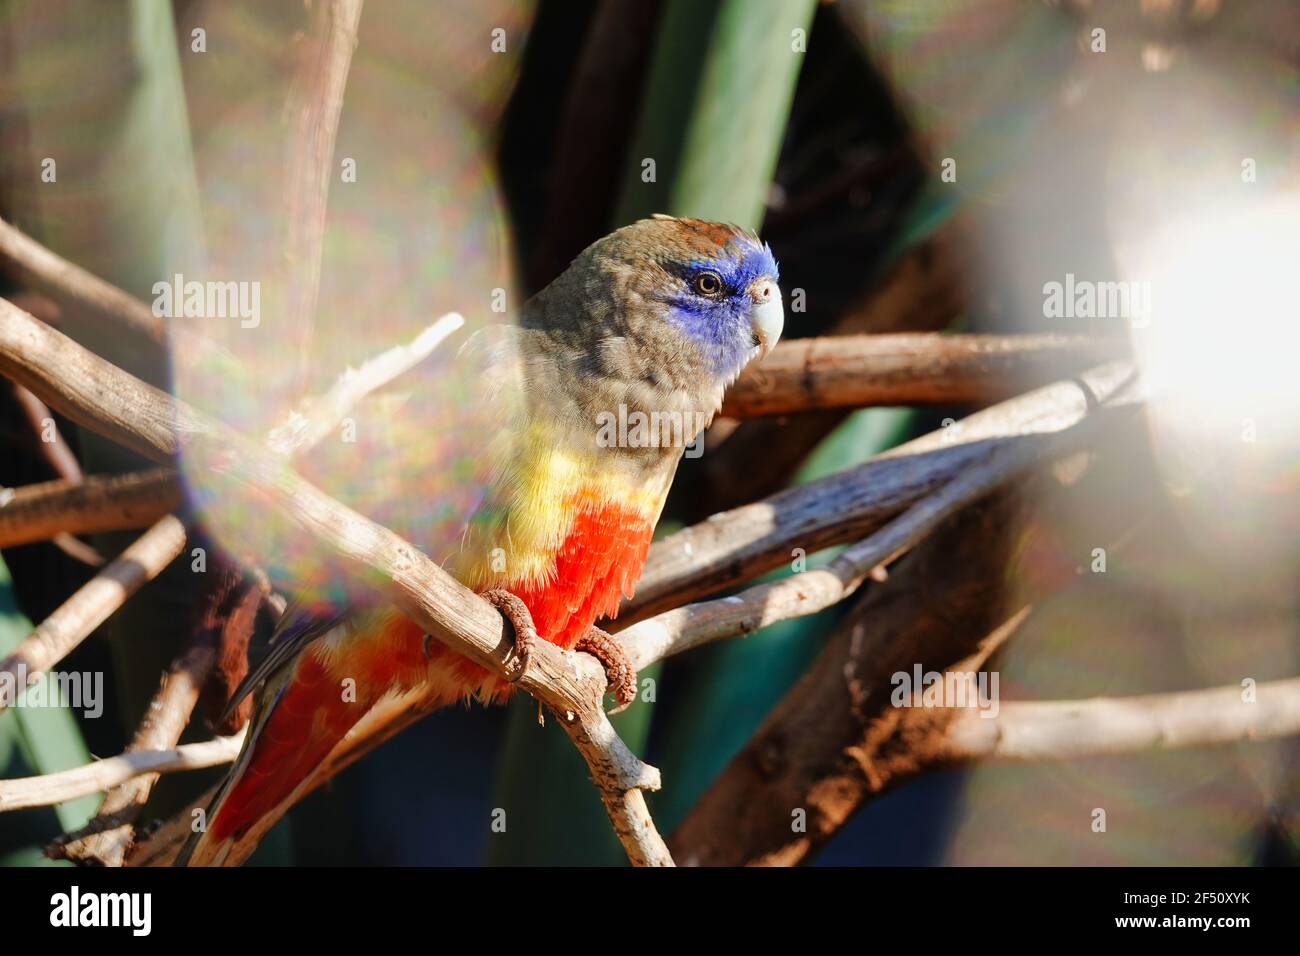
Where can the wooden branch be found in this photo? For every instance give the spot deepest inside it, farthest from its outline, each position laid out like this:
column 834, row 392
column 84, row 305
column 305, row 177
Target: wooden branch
column 134, row 500
column 736, row 545
column 92, row 392
column 313, row 108
column 816, row 589
column 56, row 452
column 78, row 550
column 62, row 462
column 1068, row 729
column 106, row 839
column 78, row 616
column 822, row 748
column 621, row 778
column 34, row 265
column 314, row 419
column 98, row 503
column 43, row 791
column 908, row 369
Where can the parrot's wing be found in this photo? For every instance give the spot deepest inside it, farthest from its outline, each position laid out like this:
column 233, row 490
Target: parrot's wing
column 416, row 455
column 262, row 711
column 430, row 511
column 297, row 628
column 421, row 454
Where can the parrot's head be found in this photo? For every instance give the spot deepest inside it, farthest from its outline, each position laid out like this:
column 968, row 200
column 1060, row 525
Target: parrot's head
column 685, row 303
column 713, row 285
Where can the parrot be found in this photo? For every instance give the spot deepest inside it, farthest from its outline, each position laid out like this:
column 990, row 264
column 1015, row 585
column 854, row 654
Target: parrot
column 608, row 374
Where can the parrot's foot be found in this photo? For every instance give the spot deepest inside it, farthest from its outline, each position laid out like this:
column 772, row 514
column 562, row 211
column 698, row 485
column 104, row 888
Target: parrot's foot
column 514, row 610
column 618, row 669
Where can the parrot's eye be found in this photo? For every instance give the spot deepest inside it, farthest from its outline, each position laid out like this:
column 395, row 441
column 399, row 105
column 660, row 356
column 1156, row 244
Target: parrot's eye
column 708, row 283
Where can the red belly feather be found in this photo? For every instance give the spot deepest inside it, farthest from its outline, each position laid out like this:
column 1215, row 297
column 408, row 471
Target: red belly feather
column 597, row 565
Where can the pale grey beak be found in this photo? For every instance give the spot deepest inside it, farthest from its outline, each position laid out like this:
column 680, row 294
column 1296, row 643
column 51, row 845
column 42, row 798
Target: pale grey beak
column 767, row 314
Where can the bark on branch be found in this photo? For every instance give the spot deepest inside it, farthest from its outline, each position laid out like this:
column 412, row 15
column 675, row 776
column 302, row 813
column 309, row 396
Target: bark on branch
column 1067, row 729
column 34, row 265
column 96, row 503
column 52, row 788
column 93, row 603
column 852, row 371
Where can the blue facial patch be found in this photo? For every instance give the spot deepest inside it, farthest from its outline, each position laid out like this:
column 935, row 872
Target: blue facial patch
column 720, row 323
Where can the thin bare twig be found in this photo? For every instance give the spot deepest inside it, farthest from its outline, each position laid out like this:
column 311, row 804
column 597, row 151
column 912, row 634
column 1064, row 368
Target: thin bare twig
column 314, row 419
column 835, row 741
column 924, row 291
column 313, row 108
column 93, row 392
column 45, row 433
column 97, row 503
column 51, row 446
column 60, row 279
column 1022, row 730
column 166, row 718
column 52, row 788
column 93, row 603
column 1067, row 729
